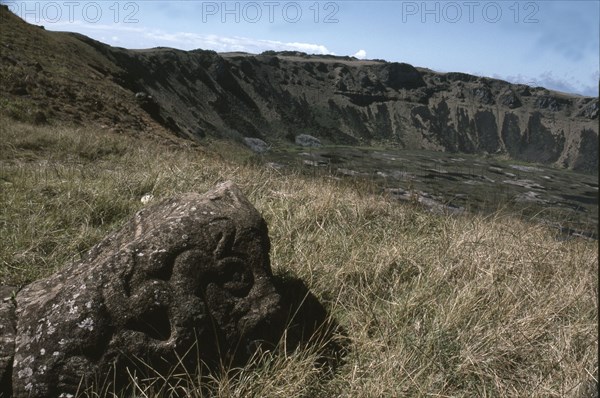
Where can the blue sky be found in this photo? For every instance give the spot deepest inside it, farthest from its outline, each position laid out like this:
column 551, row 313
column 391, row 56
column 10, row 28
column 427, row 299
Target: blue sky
column 554, row 44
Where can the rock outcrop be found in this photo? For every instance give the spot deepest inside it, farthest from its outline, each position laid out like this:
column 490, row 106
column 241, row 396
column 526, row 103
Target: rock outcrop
column 187, row 279
column 256, row 144
column 306, row 140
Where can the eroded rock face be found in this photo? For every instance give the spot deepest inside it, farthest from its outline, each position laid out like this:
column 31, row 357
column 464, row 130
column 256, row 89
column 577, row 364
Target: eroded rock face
column 188, row 277
column 7, row 337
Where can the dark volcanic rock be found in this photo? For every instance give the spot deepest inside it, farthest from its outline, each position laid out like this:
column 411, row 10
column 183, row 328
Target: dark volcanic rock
column 591, row 110
column 551, row 103
column 148, row 104
column 307, row 140
column 511, row 134
column 256, row 144
column 487, row 131
column 7, row 338
column 587, row 159
column 538, row 144
column 401, row 76
column 460, row 77
column 484, row 95
column 186, row 278
column 511, row 100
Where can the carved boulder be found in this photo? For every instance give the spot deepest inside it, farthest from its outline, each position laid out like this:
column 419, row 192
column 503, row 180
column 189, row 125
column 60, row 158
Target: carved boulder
column 187, row 280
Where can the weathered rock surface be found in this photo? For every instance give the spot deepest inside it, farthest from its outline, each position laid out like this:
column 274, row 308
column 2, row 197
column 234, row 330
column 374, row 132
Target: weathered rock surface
column 186, row 278
column 256, row 144
column 306, row 140
column 7, row 337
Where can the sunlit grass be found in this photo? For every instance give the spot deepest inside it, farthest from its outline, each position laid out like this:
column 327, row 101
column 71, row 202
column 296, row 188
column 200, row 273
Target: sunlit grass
column 434, row 305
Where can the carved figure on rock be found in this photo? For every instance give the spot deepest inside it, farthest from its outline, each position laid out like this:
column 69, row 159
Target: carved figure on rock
column 186, row 278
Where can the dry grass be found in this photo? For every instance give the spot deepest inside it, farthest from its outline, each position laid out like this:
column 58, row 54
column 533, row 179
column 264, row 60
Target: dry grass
column 434, row 306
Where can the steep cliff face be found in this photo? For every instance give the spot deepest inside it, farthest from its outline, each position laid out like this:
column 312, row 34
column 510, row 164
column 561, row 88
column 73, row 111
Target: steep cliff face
column 275, row 96
column 342, row 100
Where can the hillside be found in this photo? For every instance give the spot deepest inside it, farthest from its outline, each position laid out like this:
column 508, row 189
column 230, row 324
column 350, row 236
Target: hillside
column 433, row 305
column 52, row 76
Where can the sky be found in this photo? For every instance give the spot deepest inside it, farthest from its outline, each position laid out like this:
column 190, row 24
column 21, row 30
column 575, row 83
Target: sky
column 549, row 43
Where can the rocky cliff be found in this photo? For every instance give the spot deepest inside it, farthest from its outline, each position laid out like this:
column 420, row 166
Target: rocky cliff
column 276, row 96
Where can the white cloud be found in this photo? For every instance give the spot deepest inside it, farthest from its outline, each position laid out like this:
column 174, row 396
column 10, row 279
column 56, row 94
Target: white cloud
column 361, row 54
column 190, row 41
column 138, row 37
column 566, row 83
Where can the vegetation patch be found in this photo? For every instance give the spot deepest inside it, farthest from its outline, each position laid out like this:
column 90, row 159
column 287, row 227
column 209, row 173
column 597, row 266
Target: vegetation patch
column 433, row 304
